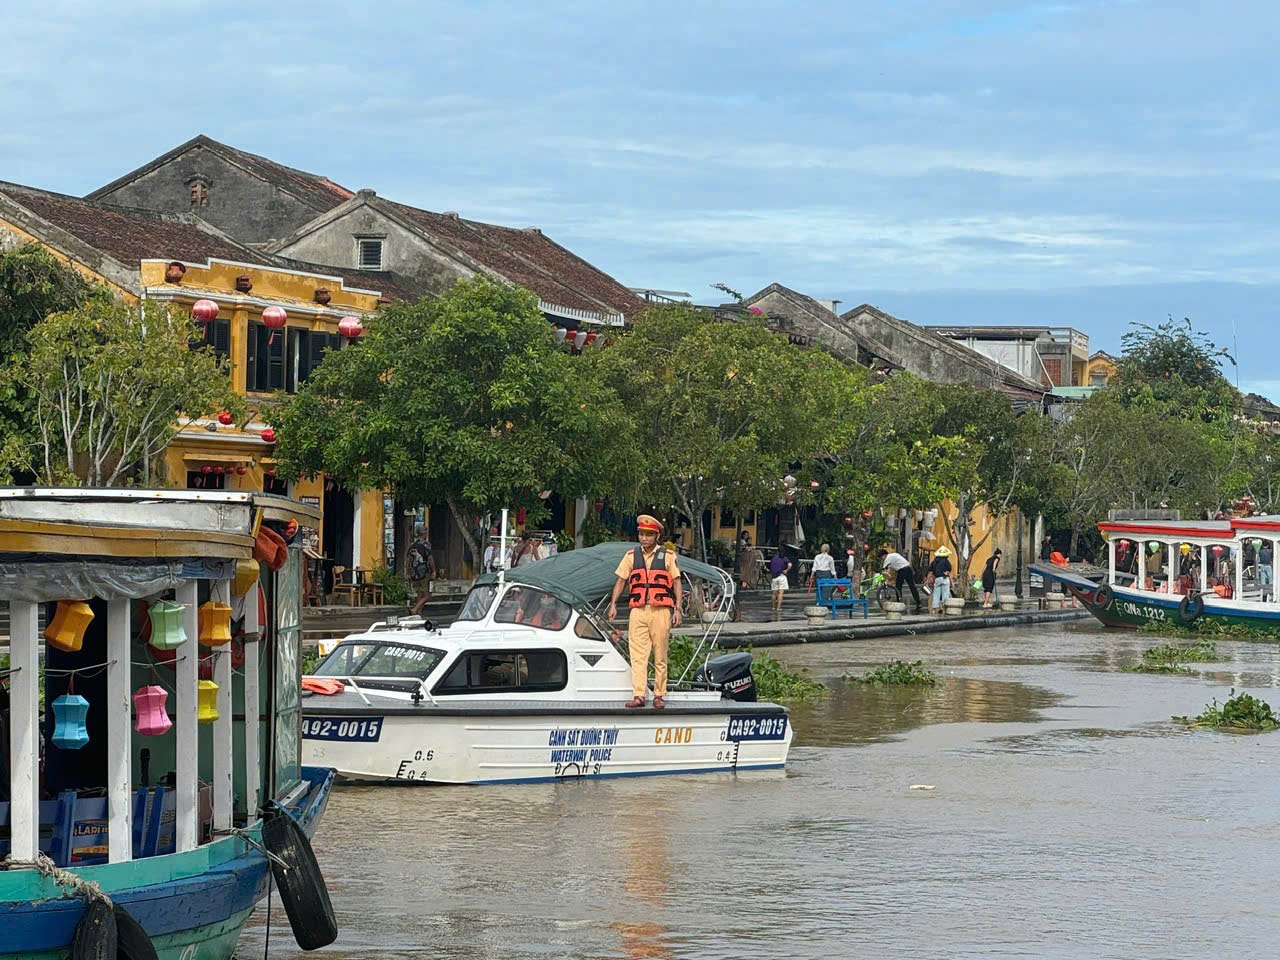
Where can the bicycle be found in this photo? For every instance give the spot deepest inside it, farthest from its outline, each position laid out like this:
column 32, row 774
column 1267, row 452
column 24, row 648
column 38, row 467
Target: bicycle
column 876, row 589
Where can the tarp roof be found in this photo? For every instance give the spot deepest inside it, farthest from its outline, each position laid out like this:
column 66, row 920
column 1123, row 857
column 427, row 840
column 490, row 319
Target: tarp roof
column 584, row 577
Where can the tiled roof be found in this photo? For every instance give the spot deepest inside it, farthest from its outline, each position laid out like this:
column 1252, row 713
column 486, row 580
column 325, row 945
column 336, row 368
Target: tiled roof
column 530, row 259
column 392, row 286
column 129, row 235
column 316, row 191
column 319, row 191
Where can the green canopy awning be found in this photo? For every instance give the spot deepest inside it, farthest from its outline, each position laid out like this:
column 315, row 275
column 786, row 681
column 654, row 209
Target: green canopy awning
column 584, row 577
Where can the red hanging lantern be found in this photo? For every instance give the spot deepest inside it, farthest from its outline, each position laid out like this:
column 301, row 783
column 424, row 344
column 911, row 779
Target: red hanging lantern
column 351, row 328
column 204, row 311
column 225, row 418
column 274, row 318
column 590, row 339
column 241, row 469
column 268, row 435
column 206, row 469
column 217, row 470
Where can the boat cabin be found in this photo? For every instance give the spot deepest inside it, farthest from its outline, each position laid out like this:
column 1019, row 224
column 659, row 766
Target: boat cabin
column 510, row 639
column 142, row 624
column 1227, row 558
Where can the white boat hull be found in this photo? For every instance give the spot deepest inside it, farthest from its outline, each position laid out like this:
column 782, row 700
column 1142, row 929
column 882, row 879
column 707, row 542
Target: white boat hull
column 501, row 746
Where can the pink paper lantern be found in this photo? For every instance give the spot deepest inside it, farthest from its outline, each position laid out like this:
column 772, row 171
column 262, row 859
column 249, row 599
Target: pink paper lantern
column 150, row 717
column 351, row 328
column 274, row 318
column 204, row 311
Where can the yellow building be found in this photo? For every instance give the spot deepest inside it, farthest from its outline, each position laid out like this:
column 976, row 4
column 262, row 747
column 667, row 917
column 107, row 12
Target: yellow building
column 1099, row 369
column 179, row 261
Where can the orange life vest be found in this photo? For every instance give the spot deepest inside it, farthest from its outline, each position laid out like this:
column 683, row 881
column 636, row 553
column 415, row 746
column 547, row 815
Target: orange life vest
column 651, row 585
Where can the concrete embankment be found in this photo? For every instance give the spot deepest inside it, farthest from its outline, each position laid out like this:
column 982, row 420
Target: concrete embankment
column 782, row 632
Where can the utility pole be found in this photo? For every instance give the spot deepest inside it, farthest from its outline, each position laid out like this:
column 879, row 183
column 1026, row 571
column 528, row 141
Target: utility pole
column 1017, row 584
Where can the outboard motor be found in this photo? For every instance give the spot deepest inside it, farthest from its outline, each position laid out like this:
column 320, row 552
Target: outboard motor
column 732, row 674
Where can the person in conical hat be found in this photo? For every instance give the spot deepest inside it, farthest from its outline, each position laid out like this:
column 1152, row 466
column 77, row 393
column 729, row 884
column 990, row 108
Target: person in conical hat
column 939, row 578
column 652, row 580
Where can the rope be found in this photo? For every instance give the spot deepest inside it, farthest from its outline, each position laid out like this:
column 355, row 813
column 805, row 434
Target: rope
column 68, row 881
column 253, row 841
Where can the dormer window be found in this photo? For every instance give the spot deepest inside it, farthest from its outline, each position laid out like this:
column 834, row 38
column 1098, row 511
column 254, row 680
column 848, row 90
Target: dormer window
column 369, row 253
column 199, row 192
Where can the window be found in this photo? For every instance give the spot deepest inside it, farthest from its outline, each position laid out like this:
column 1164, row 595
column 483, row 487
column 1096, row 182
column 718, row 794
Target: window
column 532, row 608
column 217, row 335
column 1053, row 371
column 287, row 362
column 379, row 660
column 369, row 253
column 198, row 480
column 199, row 194
column 478, row 602
column 489, row 671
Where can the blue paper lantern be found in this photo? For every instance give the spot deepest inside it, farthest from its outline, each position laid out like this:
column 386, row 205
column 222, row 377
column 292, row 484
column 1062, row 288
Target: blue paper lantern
column 69, row 712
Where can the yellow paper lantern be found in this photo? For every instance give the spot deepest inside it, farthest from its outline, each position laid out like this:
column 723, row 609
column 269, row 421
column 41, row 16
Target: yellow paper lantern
column 215, row 623
column 66, row 630
column 208, row 702
column 246, row 576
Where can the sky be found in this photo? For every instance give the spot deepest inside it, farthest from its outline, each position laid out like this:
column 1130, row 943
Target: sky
column 1090, row 164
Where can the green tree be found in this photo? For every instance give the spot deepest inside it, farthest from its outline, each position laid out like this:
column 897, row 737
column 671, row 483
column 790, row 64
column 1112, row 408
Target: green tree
column 465, row 400
column 720, row 409
column 1176, row 369
column 107, row 384
column 1009, row 450
column 33, row 284
column 882, row 450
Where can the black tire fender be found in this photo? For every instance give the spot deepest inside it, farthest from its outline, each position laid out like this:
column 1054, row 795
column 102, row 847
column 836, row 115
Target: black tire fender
column 1191, row 608
column 1103, row 596
column 95, row 936
column 132, row 942
column 301, row 885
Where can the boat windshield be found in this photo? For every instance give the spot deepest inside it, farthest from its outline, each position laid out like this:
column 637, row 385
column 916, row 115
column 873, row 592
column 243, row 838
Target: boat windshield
column 533, row 608
column 478, row 602
column 358, row 658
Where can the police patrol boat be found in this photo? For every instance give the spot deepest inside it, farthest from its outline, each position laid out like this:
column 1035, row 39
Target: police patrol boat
column 529, row 684
column 143, row 809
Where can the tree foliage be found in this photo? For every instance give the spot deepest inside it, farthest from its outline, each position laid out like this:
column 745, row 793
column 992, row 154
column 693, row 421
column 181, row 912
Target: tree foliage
column 464, row 400
column 1176, row 369
column 720, row 410
column 107, row 383
column 33, row 284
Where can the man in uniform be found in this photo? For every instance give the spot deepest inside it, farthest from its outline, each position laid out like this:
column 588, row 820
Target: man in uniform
column 652, row 579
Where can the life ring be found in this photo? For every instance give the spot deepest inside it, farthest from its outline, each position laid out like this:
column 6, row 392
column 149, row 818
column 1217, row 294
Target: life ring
column 1191, row 608
column 95, row 934
column 298, row 877
column 132, row 942
column 1103, row 596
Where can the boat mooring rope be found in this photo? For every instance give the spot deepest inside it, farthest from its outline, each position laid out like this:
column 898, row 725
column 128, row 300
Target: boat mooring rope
column 68, row 881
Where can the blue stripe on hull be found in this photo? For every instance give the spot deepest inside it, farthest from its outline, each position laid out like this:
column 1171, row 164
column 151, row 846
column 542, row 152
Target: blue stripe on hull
column 195, row 909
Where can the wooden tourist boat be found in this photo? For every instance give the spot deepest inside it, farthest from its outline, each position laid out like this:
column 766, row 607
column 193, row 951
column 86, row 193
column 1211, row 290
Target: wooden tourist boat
column 138, row 803
column 529, row 685
column 1180, row 572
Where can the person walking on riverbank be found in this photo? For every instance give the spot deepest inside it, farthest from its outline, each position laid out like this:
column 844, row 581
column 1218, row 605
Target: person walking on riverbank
column 940, row 572
column 779, row 566
column 989, row 580
column 652, row 579
column 902, row 573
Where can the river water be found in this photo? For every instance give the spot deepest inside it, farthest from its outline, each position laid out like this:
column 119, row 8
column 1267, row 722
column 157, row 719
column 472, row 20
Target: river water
column 1067, row 818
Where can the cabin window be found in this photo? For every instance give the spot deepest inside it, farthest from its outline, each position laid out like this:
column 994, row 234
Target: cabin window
column 479, row 600
column 379, row 660
column 587, row 630
column 487, row 671
column 532, row 608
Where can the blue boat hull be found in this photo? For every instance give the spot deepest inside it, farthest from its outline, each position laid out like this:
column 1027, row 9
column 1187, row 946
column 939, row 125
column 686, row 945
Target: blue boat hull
column 192, row 905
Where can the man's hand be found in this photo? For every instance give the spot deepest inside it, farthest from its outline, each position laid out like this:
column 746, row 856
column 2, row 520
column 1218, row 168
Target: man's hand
column 676, row 619
column 613, row 611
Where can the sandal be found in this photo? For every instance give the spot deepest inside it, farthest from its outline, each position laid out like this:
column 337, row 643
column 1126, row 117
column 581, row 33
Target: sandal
column 659, row 703
column 635, row 702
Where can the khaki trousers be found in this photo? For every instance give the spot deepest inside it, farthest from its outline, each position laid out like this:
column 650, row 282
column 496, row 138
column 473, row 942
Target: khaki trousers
column 648, row 628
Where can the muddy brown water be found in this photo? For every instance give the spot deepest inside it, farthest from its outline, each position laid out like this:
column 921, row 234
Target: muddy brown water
column 1068, row 818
